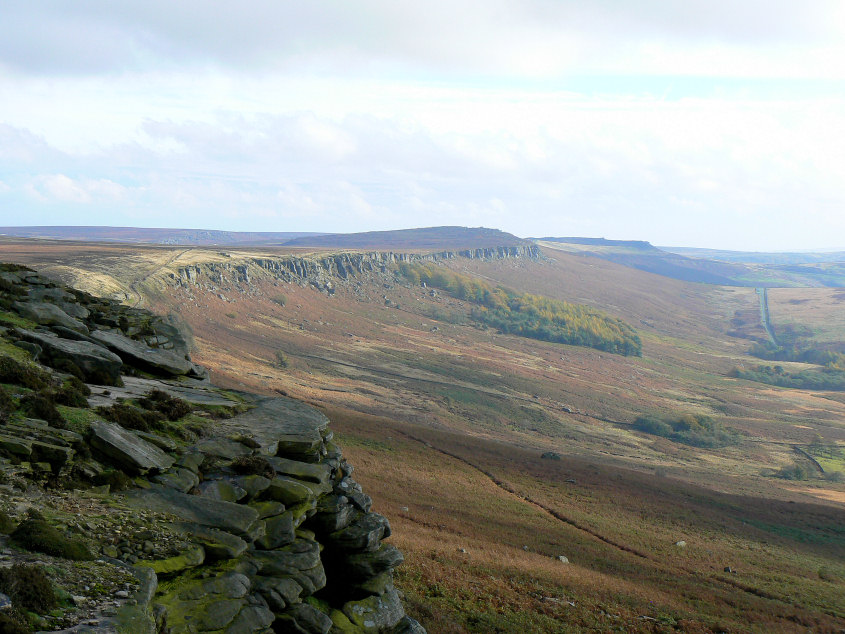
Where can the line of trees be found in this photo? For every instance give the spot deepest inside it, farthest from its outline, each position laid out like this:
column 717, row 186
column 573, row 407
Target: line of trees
column 533, row 316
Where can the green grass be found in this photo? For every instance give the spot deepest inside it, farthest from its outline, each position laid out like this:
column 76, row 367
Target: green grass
column 13, row 319
column 11, row 350
column 78, row 419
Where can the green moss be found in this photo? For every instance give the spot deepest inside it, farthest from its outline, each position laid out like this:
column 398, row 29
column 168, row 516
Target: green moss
column 116, row 479
column 13, row 319
column 77, row 419
column 35, row 534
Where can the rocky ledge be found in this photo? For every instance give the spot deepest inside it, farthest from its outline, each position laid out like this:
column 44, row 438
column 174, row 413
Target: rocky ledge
column 138, row 497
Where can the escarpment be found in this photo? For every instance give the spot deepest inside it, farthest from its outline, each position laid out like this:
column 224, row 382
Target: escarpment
column 325, row 271
column 162, row 503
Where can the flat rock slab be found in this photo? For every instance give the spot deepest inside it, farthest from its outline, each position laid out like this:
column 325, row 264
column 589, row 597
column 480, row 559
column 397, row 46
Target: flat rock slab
column 187, row 389
column 94, row 360
column 233, row 518
column 124, row 447
column 48, row 315
column 280, row 425
column 138, row 353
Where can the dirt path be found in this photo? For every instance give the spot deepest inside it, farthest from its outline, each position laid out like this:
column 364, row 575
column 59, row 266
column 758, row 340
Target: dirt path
column 133, row 285
column 763, row 294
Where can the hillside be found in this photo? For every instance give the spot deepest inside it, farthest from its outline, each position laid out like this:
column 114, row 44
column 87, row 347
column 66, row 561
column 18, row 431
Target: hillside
column 711, row 266
column 657, row 533
column 195, row 237
column 428, row 238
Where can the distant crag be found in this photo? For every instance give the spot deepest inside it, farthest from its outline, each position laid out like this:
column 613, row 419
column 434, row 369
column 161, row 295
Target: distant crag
column 152, row 501
column 325, row 272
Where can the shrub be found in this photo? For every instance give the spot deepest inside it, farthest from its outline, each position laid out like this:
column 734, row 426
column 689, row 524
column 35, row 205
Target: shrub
column 170, row 407
column 696, row 430
column 28, row 588
column 6, row 523
column 24, row 374
column 116, row 479
column 280, row 299
column 11, row 622
column 66, row 365
column 73, row 393
column 7, row 404
column 130, row 417
column 37, row 535
column 42, row 405
column 253, row 465
column 794, row 472
column 281, row 359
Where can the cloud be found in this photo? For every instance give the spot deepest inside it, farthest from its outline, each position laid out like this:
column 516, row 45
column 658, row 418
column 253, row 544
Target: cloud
column 58, row 188
column 500, row 37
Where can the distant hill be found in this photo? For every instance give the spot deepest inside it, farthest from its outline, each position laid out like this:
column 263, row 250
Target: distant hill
column 731, row 268
column 602, row 242
column 425, row 238
column 195, row 237
column 760, row 257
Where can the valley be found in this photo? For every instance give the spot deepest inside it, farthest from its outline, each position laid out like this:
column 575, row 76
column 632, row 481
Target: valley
column 447, row 421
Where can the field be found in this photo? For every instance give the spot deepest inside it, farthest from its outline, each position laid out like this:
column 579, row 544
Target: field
column 448, row 420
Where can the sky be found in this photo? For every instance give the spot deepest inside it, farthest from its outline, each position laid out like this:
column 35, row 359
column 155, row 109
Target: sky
column 716, row 123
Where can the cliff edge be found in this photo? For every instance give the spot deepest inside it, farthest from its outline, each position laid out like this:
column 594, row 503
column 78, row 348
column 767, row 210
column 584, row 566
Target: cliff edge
column 135, row 496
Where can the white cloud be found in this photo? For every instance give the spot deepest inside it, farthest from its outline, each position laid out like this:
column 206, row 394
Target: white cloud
column 341, row 116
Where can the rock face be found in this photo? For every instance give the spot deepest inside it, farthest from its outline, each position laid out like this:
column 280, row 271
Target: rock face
column 324, row 273
column 128, row 450
column 267, row 547
column 97, row 364
column 161, row 361
column 264, row 528
column 96, row 337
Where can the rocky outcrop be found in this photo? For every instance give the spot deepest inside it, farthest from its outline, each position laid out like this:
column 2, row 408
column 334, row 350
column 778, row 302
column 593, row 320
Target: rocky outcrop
column 281, row 534
column 96, row 339
column 241, row 525
column 324, row 272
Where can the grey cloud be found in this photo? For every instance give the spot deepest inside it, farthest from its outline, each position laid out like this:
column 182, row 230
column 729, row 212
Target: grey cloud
column 88, row 36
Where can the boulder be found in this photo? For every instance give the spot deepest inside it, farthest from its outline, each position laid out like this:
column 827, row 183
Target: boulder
column 251, row 619
column 127, row 450
column 217, row 544
column 280, row 426
column 279, row 592
column 190, row 557
column 365, row 533
column 362, row 566
column 234, row 518
column 288, row 491
column 318, row 473
column 48, row 315
column 96, row 363
column 279, row 531
column 375, row 613
column 221, row 490
column 180, row 479
column 136, row 353
column 303, row 618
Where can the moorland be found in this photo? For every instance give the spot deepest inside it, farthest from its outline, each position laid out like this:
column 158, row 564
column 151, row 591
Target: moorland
column 535, row 485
